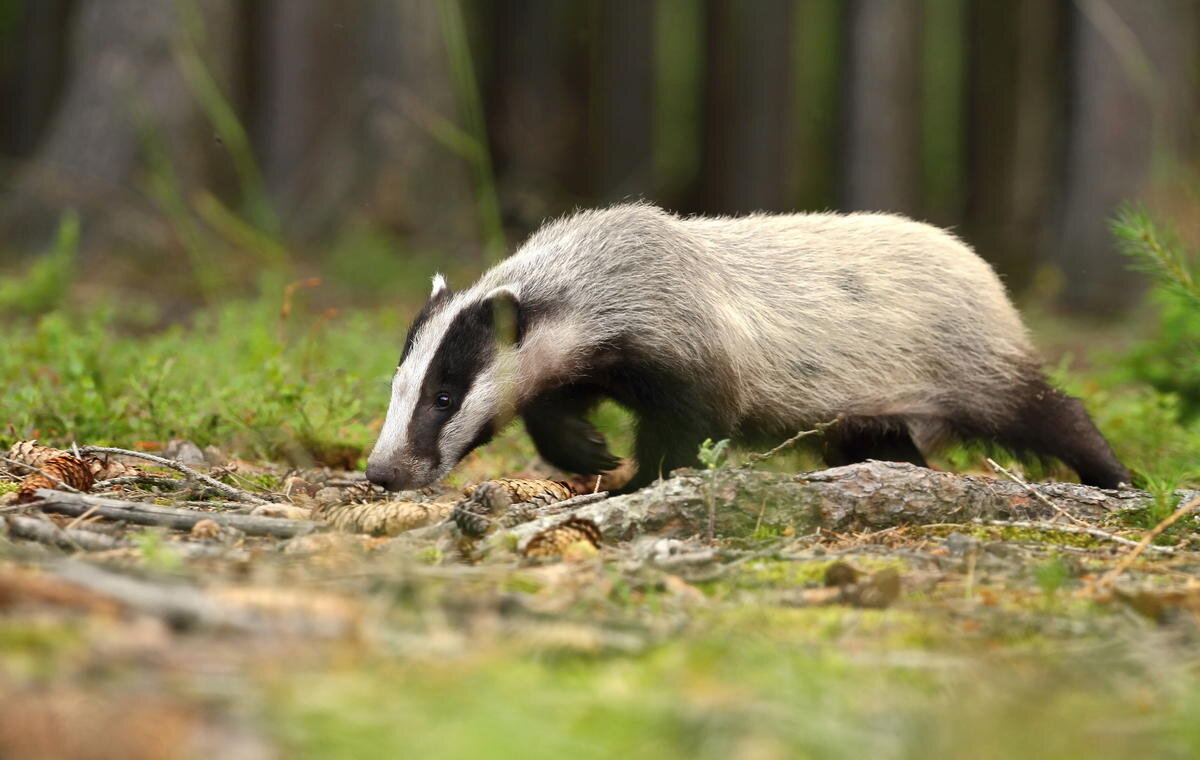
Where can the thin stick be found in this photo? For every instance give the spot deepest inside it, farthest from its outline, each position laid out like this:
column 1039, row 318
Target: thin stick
column 224, row 488
column 149, row 480
column 80, row 518
column 753, row 459
column 1017, row 479
column 1083, row 530
column 1111, row 576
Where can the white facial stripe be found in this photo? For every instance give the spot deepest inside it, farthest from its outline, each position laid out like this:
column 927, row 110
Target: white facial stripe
column 406, row 386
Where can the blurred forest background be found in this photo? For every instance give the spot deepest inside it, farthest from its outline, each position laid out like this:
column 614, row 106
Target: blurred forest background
column 369, row 140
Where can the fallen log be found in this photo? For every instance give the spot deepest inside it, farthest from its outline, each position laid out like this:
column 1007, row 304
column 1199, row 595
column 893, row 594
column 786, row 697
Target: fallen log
column 43, row 531
column 865, row 496
column 75, row 504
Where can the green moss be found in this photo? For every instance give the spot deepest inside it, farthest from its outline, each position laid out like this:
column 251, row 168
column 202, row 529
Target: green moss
column 7, row 486
column 1010, row 533
column 522, row 583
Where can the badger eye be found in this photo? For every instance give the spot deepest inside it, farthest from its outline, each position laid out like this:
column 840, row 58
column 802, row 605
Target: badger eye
column 441, row 401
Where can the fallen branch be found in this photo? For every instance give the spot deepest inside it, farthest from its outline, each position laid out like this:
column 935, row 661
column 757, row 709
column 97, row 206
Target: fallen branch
column 225, row 488
column 864, row 496
column 181, row 606
column 179, row 519
column 46, row 532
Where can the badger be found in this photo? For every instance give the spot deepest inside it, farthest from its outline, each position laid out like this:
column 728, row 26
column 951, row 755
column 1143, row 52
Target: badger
column 749, row 328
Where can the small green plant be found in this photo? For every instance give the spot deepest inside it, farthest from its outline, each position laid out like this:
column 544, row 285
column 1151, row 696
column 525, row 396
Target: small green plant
column 156, row 552
column 1170, row 360
column 714, row 457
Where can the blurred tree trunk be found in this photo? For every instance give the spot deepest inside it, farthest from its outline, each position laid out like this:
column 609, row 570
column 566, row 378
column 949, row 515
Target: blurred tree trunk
column 302, row 92
column 750, row 76
column 536, row 112
column 125, row 92
column 1015, row 71
column 378, row 139
column 818, row 52
column 1132, row 99
column 624, row 100
column 881, row 146
column 32, row 57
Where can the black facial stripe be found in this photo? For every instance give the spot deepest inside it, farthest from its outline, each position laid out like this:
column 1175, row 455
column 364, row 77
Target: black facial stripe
column 468, row 346
column 427, row 311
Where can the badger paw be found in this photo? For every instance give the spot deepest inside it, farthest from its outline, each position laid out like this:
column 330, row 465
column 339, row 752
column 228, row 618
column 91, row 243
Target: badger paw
column 571, row 444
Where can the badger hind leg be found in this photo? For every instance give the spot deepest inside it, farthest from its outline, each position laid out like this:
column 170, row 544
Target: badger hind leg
column 557, row 422
column 857, row 440
column 1048, row 422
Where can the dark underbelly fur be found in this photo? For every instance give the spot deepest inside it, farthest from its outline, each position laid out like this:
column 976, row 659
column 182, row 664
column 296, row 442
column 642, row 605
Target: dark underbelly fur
column 675, row 415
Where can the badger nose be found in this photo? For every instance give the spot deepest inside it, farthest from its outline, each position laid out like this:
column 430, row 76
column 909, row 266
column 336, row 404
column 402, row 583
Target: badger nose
column 384, row 475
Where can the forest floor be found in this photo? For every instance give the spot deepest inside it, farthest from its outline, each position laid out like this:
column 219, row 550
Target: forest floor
column 949, row 640
column 923, row 633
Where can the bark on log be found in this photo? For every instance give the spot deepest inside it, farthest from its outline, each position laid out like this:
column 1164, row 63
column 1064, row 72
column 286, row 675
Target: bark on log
column 181, row 519
column 869, row 495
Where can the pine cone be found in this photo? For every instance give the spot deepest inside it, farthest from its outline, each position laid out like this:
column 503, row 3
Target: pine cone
column 32, row 453
column 362, row 491
column 387, row 518
column 106, row 469
column 485, row 502
column 555, row 540
column 539, row 492
column 59, row 470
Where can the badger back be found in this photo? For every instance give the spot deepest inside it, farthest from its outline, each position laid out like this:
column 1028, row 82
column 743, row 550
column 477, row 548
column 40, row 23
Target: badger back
column 860, row 314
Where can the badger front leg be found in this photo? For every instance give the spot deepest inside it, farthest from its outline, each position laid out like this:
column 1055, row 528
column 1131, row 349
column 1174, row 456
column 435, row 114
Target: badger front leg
column 665, row 442
column 557, row 422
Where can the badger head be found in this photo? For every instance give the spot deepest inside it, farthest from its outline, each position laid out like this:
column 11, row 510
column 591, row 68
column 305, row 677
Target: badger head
column 453, row 388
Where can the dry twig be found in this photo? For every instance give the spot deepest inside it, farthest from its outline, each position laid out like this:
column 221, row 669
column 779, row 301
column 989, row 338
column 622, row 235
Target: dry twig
column 1040, row 497
column 754, row 459
column 1111, row 576
column 1084, row 529
column 225, row 488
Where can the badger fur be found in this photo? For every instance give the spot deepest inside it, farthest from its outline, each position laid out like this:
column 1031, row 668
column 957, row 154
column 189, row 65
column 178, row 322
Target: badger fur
column 745, row 328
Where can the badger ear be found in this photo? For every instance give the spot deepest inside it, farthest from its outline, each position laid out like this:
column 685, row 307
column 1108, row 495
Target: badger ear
column 439, row 287
column 504, row 306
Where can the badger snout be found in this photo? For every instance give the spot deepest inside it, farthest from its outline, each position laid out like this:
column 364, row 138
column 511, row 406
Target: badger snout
column 403, row 474
column 386, row 475
column 394, row 478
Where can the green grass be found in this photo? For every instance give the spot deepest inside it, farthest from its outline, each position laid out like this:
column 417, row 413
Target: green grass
column 236, row 375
